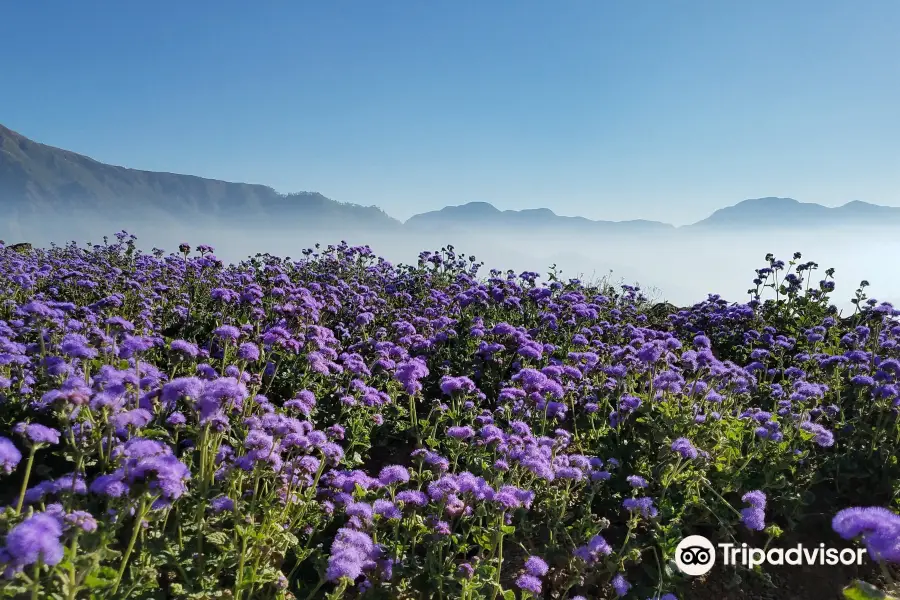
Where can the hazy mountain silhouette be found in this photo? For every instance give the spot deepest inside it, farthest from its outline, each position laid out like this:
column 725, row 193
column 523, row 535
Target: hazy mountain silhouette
column 773, row 213
column 37, row 181
column 481, row 215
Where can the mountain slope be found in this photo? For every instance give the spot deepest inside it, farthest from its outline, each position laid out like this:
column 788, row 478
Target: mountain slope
column 37, row 179
column 483, row 216
column 777, row 213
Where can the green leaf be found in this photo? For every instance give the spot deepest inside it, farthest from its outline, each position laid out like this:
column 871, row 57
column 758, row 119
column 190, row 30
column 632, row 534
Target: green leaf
column 155, row 432
column 218, row 538
column 509, row 595
column 482, row 538
column 101, row 578
column 860, row 590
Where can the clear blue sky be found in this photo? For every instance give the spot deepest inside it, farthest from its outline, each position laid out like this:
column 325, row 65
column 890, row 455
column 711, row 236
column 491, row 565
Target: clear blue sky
column 662, row 109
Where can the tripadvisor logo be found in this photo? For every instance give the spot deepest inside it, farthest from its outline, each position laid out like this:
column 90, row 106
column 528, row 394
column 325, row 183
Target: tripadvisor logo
column 695, row 555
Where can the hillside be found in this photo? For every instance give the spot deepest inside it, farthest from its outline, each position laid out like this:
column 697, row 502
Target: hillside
column 482, row 215
column 37, row 179
column 786, row 212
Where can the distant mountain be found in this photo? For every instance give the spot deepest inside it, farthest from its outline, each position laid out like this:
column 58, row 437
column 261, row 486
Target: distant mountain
column 782, row 213
column 36, row 179
column 483, row 216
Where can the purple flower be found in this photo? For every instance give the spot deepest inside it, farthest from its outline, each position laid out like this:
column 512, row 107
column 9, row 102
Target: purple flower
column 620, row 585
column 76, row 345
column 650, row 353
column 753, row 518
column 132, row 345
column 529, row 583
column 259, row 440
column 71, row 483
column 110, row 485
column 684, row 447
column 248, row 351
column 135, row 418
column 386, row 509
column 350, row 551
column 37, row 493
column 461, row 433
column 9, row 455
column 628, row 403
column 393, row 474
column 227, row 332
column 636, row 481
column 362, row 510
column 466, row 571
column 185, row 348
column 220, row 395
column 412, row 497
column 176, row 389
column 451, row 385
column 221, row 504
column 35, row 538
column 333, row 452
column 821, row 436
column 878, row 528
column 409, row 373
column 536, row 566
column 641, row 505
column 441, row 528
column 304, row 402
column 82, row 520
column 37, row 434
column 163, row 474
column 756, row 499
column 176, row 419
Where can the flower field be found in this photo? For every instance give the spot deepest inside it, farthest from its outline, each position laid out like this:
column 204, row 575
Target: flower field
column 336, row 426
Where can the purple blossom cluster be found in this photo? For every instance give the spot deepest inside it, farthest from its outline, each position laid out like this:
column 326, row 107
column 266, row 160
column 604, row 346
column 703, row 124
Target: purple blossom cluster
column 336, row 423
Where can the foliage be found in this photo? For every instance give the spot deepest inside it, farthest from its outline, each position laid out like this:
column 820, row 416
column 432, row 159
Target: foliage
column 339, row 426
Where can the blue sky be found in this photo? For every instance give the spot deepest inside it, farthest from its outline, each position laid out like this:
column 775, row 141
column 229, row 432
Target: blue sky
column 662, row 109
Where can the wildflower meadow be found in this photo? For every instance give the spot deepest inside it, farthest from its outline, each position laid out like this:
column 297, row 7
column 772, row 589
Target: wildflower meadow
column 337, row 426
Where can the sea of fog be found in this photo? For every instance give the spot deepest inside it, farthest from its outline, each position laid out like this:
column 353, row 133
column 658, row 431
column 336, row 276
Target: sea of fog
column 681, row 267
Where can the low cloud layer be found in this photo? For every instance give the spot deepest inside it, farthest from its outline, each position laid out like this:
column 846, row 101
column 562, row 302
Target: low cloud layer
column 681, row 267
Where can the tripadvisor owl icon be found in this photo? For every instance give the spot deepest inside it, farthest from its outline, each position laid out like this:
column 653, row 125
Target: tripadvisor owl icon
column 695, row 555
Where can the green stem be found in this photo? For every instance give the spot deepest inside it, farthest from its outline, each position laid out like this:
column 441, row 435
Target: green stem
column 746, row 462
column 497, row 586
column 316, row 589
column 414, row 421
column 239, row 585
column 719, row 496
column 25, row 481
column 36, row 584
column 73, row 582
column 139, row 518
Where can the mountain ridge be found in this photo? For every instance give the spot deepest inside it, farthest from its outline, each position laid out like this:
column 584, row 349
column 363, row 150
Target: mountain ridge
column 489, row 216
column 778, row 212
column 36, row 178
